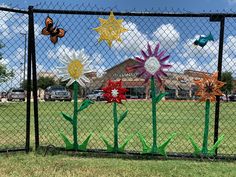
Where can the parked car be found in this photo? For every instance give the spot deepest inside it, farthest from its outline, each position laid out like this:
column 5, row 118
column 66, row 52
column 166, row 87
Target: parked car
column 96, row 95
column 16, row 94
column 223, row 97
column 232, row 97
column 3, row 94
column 53, row 93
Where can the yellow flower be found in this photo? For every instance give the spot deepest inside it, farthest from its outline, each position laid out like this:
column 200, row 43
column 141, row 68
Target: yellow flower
column 110, row 29
column 75, row 68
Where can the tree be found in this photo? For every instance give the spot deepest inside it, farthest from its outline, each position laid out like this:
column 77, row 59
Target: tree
column 228, row 79
column 24, row 85
column 44, row 82
column 4, row 73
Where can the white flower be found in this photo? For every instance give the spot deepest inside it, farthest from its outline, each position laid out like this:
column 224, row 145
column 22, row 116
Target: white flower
column 114, row 93
column 74, row 68
column 152, row 65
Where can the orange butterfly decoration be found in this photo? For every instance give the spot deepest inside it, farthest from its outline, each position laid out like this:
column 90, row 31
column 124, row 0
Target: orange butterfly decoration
column 54, row 32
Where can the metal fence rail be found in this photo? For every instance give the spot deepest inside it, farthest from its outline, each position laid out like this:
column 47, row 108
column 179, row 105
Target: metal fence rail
column 180, row 112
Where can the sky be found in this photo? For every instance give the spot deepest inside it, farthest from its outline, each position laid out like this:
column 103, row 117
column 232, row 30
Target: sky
column 176, row 35
column 188, row 5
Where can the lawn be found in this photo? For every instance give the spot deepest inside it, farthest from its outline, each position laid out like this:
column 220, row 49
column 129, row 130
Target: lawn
column 60, row 165
column 184, row 118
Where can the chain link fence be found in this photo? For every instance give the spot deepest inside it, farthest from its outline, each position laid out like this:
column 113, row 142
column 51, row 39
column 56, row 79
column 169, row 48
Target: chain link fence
column 13, row 72
column 180, row 112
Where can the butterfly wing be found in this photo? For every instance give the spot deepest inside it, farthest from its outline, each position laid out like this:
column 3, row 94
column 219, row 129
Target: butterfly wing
column 49, row 23
column 49, row 26
column 45, row 31
column 54, row 39
column 60, row 32
column 54, row 32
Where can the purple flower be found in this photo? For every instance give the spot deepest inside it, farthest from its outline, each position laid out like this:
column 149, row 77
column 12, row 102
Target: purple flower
column 152, row 64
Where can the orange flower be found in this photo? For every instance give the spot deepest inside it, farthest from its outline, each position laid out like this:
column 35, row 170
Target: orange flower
column 209, row 87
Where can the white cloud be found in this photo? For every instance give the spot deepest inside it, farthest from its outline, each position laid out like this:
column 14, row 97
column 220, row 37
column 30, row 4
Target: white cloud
column 134, row 40
column 97, row 57
column 167, row 35
column 21, row 25
column 37, row 30
column 196, row 56
column 12, row 24
column 229, row 64
column 193, row 51
column 230, row 45
column 4, row 61
column 61, row 50
column 20, row 54
column 4, row 18
column 99, row 69
column 40, row 67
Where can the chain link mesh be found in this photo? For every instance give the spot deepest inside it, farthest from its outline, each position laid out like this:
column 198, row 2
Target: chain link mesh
column 180, row 112
column 13, row 38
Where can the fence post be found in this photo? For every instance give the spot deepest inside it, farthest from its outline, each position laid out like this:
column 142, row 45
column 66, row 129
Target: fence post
column 31, row 48
column 221, row 19
column 27, row 145
column 34, row 72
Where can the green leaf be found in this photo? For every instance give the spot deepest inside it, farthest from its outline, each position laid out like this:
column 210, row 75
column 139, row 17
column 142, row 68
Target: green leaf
column 68, row 144
column 68, row 118
column 160, row 96
column 162, row 148
column 122, row 116
column 109, row 147
column 85, row 104
column 122, row 147
column 83, row 146
column 197, row 150
column 146, row 148
column 211, row 151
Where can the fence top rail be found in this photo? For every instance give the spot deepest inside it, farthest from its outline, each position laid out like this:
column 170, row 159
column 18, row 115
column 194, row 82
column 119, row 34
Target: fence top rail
column 150, row 14
column 160, row 14
column 14, row 10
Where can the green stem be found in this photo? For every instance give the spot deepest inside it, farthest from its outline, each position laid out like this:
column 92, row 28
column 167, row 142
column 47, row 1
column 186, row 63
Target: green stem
column 75, row 116
column 154, row 116
column 115, row 126
column 206, row 129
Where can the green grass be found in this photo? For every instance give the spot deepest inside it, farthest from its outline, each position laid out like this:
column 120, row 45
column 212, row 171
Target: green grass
column 60, row 165
column 184, row 118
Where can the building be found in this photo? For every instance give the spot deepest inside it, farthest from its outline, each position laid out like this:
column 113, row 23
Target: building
column 47, row 74
column 178, row 85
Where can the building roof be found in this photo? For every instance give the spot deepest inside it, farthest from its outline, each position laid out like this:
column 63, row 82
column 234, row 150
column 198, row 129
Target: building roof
column 127, row 61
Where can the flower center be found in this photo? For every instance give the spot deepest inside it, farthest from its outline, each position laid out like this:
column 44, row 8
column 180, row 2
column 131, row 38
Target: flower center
column 75, row 69
column 152, row 65
column 114, row 93
column 209, row 87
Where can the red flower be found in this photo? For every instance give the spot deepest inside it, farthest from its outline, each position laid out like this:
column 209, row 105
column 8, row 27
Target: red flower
column 114, row 91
